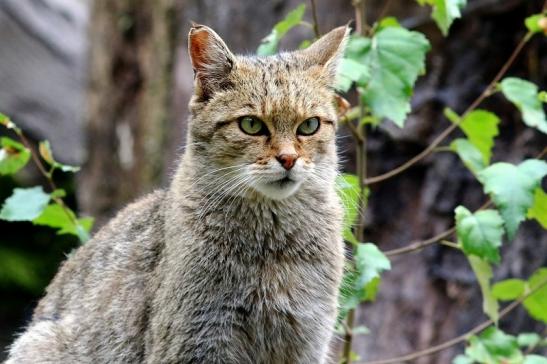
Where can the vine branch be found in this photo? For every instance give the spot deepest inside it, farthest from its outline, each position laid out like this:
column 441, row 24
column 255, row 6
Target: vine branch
column 315, row 19
column 439, row 139
column 458, row 339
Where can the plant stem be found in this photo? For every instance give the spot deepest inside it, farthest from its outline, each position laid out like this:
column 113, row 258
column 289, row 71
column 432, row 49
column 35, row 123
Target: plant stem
column 315, row 21
column 458, row 339
column 438, row 140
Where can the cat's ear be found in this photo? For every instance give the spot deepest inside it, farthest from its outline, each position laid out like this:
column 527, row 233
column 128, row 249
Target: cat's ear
column 211, row 59
column 328, row 50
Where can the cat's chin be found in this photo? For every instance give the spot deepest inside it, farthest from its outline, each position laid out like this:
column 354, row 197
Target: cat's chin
column 278, row 190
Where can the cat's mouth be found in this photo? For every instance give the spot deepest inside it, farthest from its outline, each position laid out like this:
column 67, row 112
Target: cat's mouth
column 279, row 188
column 283, row 182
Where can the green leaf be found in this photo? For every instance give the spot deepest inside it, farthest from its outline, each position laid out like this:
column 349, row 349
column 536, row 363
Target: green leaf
column 535, row 359
column 524, row 95
column 6, row 121
column 512, row 189
column 270, row 43
column 538, row 210
column 370, row 262
column 528, row 339
column 25, row 204
column 445, row 12
column 483, row 272
column 493, row 346
column 349, row 191
column 536, row 303
column 350, row 71
column 394, row 57
column 13, row 156
column 462, row 359
column 509, row 289
column 481, row 127
column 19, row 268
column 65, row 221
column 533, row 23
column 479, row 233
column 387, row 22
column 469, row 154
column 45, row 151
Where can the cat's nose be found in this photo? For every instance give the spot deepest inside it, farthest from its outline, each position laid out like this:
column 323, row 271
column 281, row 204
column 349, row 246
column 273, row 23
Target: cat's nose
column 287, row 160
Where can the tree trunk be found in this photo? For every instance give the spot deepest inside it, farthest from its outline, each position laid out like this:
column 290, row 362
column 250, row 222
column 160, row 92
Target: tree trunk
column 129, row 101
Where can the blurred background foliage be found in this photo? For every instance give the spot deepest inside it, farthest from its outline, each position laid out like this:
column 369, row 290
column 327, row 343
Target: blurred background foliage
column 108, row 85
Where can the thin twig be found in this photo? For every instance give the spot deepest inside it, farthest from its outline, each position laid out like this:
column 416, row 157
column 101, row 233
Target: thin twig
column 438, row 140
column 315, row 21
column 458, row 339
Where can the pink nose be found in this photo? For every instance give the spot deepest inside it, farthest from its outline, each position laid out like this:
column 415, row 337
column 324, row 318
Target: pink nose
column 287, row 160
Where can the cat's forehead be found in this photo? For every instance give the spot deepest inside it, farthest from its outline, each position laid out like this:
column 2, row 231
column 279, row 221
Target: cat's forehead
column 282, row 84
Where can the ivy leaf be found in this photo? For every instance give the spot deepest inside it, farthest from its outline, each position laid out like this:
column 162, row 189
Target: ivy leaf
column 536, row 303
column 524, row 95
column 469, row 154
column 535, row 359
column 56, row 217
column 480, row 233
column 25, row 204
column 512, row 189
column 270, row 43
column 394, row 57
column 349, row 191
column 13, row 156
column 509, row 289
column 445, row 12
column 481, row 127
column 493, row 346
column 350, row 71
column 45, row 151
column 538, row 210
column 370, row 262
column 483, row 272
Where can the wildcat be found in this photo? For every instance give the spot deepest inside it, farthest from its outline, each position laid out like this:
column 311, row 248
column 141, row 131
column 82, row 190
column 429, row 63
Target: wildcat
column 240, row 259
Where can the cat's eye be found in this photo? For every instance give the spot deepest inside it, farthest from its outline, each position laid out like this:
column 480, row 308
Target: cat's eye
column 308, row 126
column 252, row 125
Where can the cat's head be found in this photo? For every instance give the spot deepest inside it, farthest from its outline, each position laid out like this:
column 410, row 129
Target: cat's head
column 265, row 124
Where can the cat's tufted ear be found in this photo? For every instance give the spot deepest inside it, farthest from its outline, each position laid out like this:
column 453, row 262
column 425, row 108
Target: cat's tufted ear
column 211, row 59
column 328, row 50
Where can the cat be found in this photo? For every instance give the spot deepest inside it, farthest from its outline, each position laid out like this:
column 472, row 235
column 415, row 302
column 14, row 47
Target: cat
column 240, row 259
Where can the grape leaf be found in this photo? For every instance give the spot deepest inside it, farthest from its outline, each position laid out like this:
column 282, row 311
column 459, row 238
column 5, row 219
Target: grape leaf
column 493, row 346
column 445, row 12
column 25, row 204
column 480, row 233
column 483, row 272
column 535, row 359
column 45, row 151
column 528, row 339
column 509, row 289
column 481, row 127
column 524, row 95
column 469, row 154
column 534, row 25
column 270, row 43
column 56, row 217
column 462, row 359
column 350, row 71
column 13, row 156
column 512, row 189
column 348, row 188
column 370, row 262
column 538, row 210
column 536, row 303
column 394, row 57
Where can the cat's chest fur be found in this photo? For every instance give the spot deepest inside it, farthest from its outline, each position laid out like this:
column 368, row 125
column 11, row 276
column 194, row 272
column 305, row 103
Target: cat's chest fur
column 254, row 274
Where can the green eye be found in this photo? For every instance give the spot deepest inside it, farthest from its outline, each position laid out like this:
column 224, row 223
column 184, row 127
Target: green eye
column 252, row 126
column 308, row 127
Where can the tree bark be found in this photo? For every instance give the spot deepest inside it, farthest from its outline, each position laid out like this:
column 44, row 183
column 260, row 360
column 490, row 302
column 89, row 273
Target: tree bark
column 129, row 98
